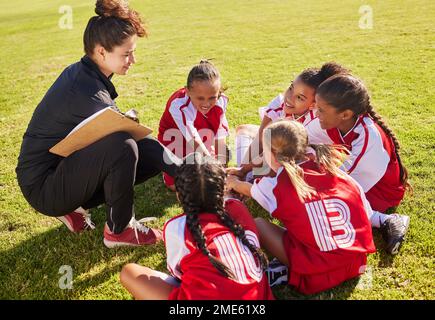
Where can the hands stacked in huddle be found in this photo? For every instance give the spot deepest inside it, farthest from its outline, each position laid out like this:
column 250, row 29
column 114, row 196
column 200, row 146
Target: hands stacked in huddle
column 234, row 177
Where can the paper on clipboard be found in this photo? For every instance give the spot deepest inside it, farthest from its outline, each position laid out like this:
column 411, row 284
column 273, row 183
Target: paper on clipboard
column 97, row 126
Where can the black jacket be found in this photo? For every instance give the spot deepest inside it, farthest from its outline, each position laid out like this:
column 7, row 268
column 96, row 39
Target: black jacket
column 80, row 91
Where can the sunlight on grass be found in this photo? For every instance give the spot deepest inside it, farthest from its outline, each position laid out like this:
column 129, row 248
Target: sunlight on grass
column 258, row 46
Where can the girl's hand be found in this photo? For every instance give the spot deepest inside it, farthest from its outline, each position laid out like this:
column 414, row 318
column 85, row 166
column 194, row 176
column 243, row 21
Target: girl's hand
column 238, row 172
column 232, row 182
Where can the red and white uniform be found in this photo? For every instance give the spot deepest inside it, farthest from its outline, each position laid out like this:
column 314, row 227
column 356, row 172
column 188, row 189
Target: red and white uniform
column 275, row 111
column 328, row 236
column 200, row 280
column 373, row 160
column 187, row 123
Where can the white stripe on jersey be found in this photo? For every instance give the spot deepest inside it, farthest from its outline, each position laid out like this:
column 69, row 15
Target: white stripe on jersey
column 317, row 214
column 238, row 257
column 184, row 116
column 316, row 135
column 253, row 269
column 275, row 111
column 341, row 222
column 175, row 244
column 230, row 256
column 371, row 165
column 262, row 192
column 274, row 104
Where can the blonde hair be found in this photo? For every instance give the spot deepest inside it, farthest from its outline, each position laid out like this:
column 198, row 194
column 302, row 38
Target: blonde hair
column 288, row 142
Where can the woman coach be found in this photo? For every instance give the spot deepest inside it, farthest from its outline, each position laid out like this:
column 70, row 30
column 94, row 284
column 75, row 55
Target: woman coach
column 106, row 171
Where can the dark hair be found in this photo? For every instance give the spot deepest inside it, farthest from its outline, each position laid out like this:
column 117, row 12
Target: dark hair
column 313, row 77
column 200, row 183
column 203, row 71
column 114, row 23
column 345, row 92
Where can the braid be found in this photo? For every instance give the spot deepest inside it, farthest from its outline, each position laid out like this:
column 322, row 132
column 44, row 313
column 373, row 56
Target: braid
column 378, row 120
column 239, row 232
column 196, row 230
column 200, row 186
column 346, row 92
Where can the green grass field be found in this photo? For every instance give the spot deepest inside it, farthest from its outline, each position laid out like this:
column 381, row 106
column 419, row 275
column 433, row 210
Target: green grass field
column 259, row 47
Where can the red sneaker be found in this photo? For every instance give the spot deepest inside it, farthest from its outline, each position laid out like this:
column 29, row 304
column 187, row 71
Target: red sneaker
column 135, row 234
column 77, row 221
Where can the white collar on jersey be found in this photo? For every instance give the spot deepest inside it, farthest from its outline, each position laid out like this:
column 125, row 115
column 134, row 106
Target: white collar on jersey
column 353, row 128
column 296, row 119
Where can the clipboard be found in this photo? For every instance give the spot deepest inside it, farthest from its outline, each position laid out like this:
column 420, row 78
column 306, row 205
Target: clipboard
column 97, row 126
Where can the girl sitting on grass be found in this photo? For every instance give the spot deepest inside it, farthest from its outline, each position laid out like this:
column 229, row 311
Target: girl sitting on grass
column 194, row 118
column 346, row 117
column 212, row 248
column 327, row 234
column 296, row 103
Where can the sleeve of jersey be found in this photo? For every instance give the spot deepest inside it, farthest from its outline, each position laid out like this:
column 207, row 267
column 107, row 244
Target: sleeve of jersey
column 262, row 192
column 223, row 130
column 184, row 122
column 368, row 160
column 270, row 110
column 316, row 135
column 173, row 234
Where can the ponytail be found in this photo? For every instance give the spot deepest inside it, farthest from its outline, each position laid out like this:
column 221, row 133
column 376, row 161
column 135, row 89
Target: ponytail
column 203, row 71
column 296, row 176
column 330, row 157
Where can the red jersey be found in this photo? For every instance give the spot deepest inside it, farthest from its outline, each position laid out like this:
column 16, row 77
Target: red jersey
column 373, row 161
column 329, row 232
column 275, row 111
column 200, row 280
column 181, row 122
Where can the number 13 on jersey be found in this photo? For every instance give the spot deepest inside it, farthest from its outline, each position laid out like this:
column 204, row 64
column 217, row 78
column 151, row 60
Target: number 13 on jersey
column 330, row 222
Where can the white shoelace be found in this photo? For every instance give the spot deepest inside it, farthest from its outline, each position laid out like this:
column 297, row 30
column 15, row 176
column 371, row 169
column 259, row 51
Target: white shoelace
column 138, row 225
column 88, row 220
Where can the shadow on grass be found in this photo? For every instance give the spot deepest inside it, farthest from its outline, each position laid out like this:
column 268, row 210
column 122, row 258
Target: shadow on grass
column 30, row 270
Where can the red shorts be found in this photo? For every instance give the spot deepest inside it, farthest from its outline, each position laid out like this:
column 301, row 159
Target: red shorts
column 314, row 283
column 379, row 203
column 168, row 180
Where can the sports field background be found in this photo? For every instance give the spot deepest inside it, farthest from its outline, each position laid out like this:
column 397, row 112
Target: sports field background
column 259, row 47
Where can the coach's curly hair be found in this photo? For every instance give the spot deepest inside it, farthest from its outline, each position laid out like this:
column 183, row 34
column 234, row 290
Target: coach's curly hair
column 200, row 183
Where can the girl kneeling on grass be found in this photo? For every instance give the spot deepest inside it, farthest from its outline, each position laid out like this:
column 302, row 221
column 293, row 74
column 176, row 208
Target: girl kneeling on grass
column 346, row 117
column 296, row 103
column 327, row 234
column 194, row 118
column 212, row 248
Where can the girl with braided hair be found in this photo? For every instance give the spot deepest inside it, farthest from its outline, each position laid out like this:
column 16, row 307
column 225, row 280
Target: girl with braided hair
column 212, row 248
column 296, row 103
column 327, row 234
column 346, row 117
